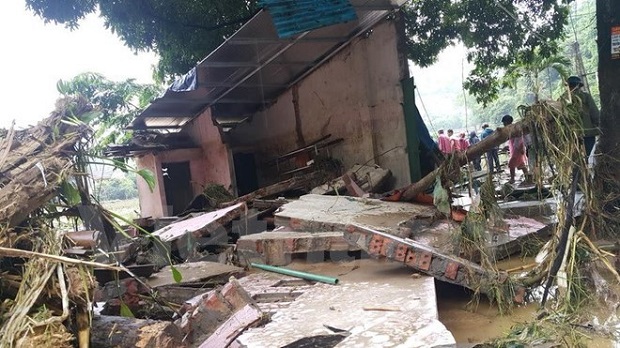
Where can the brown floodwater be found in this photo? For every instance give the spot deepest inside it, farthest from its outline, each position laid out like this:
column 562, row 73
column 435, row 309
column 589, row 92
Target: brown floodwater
column 471, row 324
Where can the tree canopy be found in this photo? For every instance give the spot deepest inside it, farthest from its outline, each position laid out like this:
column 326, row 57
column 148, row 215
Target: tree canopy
column 115, row 104
column 496, row 32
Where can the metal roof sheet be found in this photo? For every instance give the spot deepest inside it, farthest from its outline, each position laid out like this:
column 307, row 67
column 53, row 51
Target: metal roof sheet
column 254, row 66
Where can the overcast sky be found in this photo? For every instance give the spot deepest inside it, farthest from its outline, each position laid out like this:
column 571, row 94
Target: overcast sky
column 36, row 55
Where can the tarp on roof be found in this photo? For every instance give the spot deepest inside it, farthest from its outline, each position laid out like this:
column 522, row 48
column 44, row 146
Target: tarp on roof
column 254, row 66
column 292, row 17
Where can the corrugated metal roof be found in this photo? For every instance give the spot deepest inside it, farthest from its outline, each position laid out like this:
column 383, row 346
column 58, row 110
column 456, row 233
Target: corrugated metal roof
column 254, row 66
column 292, row 17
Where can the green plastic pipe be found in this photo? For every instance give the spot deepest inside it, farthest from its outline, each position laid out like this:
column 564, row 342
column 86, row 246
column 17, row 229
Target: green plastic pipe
column 298, row 274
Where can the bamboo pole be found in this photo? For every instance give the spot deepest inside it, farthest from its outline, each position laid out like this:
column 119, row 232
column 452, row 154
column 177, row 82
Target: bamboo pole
column 10, row 252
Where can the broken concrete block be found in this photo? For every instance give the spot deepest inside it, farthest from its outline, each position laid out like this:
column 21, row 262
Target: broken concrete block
column 206, row 313
column 276, row 248
column 325, row 310
column 234, row 326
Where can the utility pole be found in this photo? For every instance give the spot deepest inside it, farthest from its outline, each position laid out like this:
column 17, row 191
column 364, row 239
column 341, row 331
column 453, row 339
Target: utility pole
column 608, row 40
column 579, row 67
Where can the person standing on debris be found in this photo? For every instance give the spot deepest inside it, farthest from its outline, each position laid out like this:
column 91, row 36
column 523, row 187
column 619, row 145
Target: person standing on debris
column 493, row 154
column 473, row 139
column 516, row 146
column 587, row 109
column 453, row 140
column 443, row 141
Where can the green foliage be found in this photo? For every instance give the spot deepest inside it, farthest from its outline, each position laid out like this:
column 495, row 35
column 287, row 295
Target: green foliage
column 517, row 91
column 117, row 188
column 126, row 311
column 496, row 33
column 116, row 105
column 70, row 193
column 176, row 275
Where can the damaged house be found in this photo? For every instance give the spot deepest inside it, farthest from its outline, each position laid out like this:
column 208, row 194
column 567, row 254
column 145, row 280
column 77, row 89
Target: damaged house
column 267, row 105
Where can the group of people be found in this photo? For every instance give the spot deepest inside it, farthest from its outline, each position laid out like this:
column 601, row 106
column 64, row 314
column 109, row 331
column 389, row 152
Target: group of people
column 520, row 147
column 449, row 143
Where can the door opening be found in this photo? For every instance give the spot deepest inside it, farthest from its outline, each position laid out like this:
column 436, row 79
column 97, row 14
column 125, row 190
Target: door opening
column 177, row 186
column 245, row 173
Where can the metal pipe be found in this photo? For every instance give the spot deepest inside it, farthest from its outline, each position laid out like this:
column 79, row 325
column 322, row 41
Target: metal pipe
column 298, row 274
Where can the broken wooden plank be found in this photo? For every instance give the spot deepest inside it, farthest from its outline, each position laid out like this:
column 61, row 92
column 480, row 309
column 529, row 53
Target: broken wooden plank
column 293, row 183
column 110, row 331
column 499, row 136
column 369, row 178
column 352, row 187
column 202, row 224
column 266, row 204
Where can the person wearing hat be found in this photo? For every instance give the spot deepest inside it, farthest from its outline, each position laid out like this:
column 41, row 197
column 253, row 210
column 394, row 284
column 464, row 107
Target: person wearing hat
column 590, row 115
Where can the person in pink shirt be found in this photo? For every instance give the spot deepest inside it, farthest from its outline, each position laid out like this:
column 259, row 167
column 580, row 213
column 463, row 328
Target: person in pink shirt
column 453, row 140
column 518, row 157
column 444, row 143
column 462, row 142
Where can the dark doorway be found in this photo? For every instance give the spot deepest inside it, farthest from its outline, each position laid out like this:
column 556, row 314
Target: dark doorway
column 245, row 173
column 177, row 185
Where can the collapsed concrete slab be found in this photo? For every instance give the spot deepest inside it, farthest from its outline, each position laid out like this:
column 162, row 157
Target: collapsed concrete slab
column 278, row 247
column 199, row 225
column 401, row 313
column 314, row 213
column 318, row 213
column 425, row 259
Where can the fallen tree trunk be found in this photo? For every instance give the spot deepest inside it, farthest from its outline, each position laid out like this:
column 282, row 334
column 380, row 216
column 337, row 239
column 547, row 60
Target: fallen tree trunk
column 498, row 137
column 109, row 331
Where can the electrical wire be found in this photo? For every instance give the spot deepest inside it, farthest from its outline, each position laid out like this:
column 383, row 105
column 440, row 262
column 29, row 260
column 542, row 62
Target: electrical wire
column 417, row 89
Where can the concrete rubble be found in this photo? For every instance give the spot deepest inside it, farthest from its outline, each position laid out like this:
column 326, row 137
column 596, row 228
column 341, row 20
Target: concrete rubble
column 181, row 284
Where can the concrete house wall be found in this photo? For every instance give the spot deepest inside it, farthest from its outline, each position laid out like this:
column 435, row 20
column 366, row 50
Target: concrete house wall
column 208, row 164
column 356, row 96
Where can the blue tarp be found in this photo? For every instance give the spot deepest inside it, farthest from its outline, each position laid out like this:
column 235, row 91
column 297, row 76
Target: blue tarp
column 292, row 17
column 425, row 137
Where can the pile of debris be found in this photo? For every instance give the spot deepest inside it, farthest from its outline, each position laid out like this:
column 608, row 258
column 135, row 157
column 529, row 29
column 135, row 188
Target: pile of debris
column 192, row 280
